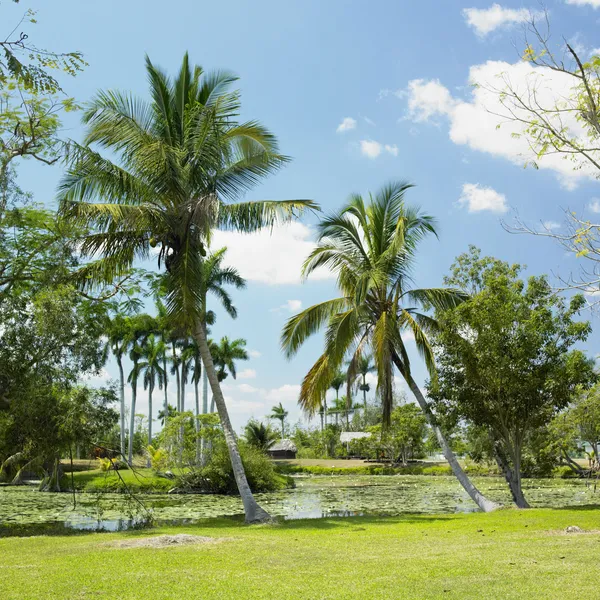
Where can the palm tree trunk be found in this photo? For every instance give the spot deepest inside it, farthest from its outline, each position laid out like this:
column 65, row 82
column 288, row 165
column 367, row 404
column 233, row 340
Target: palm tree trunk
column 197, row 421
column 166, row 393
column 149, row 419
column 254, row 513
column 204, row 392
column 177, row 378
column 482, row 502
column 132, row 420
column 122, row 394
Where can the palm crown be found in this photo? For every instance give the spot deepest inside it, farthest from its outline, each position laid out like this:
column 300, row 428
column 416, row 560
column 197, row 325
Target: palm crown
column 371, row 247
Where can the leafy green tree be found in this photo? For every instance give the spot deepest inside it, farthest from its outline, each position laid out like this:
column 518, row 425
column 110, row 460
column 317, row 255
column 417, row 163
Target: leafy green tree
column 505, row 357
column 259, row 435
column 405, row 437
column 281, row 414
column 371, row 246
column 175, row 166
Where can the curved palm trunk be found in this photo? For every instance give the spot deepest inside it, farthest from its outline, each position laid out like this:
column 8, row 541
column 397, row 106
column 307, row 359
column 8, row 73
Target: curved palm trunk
column 122, row 394
column 132, row 420
column 254, row 513
column 482, row 502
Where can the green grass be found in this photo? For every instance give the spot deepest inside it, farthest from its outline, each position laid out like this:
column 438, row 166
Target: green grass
column 507, row 554
column 140, row 480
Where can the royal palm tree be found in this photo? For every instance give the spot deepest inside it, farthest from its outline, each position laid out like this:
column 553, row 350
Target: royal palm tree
column 371, row 246
column 337, row 381
column 364, row 366
column 117, row 342
column 225, row 354
column 172, row 171
column 152, row 352
column 278, row 412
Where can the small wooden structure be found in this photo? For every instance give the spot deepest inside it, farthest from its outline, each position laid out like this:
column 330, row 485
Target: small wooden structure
column 283, row 449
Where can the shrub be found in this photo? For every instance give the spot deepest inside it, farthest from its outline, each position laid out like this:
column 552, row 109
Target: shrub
column 217, row 476
column 159, row 458
column 107, row 464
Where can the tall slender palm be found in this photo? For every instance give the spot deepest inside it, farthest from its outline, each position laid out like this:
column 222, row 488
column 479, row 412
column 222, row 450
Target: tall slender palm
column 371, row 246
column 118, row 342
column 278, row 412
column 364, row 366
column 337, row 381
column 152, row 352
column 164, row 330
column 179, row 162
column 196, row 374
column 225, row 354
column 132, row 379
column 214, row 279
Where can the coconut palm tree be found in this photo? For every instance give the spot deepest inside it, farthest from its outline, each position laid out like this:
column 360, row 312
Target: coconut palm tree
column 152, row 352
column 372, row 246
column 278, row 412
column 172, row 171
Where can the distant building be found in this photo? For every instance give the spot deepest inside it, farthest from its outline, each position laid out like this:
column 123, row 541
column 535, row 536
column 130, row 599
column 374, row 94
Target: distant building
column 283, row 449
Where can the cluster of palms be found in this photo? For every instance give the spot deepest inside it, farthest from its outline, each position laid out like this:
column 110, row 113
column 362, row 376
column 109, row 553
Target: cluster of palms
column 159, row 354
column 161, row 176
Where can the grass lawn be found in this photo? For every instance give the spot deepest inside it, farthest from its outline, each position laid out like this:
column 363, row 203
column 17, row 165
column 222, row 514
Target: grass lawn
column 139, row 480
column 507, row 554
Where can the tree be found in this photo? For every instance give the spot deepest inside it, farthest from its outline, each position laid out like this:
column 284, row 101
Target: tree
column 225, row 354
column 371, row 246
column 364, row 366
column 337, row 381
column 179, row 163
column 259, row 435
column 278, row 412
column 152, row 352
column 406, row 435
column 505, row 357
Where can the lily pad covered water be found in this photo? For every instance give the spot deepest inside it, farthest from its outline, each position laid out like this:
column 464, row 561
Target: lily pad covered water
column 313, row 497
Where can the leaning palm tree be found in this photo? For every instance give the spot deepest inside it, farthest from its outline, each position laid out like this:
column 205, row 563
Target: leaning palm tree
column 371, row 246
column 278, row 412
column 153, row 373
column 172, row 171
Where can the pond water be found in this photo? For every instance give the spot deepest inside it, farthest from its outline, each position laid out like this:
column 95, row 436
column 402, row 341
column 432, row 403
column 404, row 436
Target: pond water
column 313, row 497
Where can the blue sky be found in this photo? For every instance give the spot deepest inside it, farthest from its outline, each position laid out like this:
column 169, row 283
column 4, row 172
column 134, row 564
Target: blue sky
column 397, row 75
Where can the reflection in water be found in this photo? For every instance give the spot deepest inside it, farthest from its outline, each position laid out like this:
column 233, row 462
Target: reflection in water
column 314, row 497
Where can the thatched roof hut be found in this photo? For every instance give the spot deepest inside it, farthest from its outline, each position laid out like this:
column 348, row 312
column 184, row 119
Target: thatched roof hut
column 283, row 449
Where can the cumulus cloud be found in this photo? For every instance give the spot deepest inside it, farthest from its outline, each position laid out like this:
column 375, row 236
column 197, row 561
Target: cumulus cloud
column 480, row 122
column 274, row 257
column 373, row 149
column 478, row 199
column 486, row 20
column 347, row 124
column 291, row 306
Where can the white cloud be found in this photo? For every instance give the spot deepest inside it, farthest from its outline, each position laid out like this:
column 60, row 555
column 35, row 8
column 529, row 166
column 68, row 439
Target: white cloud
column 274, row 257
column 594, row 205
column 595, row 52
column 370, row 148
column 291, row 306
column 285, row 393
column 551, row 225
column 254, row 354
column 486, row 20
column 97, row 379
column 246, row 388
column 478, row 199
column 480, row 121
column 247, row 374
column 373, row 149
column 347, row 124
column 593, row 3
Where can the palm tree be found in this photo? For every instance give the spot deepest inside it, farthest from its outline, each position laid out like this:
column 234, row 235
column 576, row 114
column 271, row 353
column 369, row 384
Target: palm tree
column 152, row 352
column 278, row 412
column 165, row 415
column 118, row 342
column 225, row 354
column 259, row 435
column 171, row 171
column 337, row 381
column 214, row 279
column 371, row 246
column 364, row 366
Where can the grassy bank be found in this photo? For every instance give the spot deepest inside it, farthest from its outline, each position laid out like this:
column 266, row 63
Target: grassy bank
column 507, row 554
column 142, row 480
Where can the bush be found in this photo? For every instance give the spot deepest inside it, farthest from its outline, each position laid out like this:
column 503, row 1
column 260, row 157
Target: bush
column 217, row 476
column 159, row 458
column 564, row 472
column 107, row 464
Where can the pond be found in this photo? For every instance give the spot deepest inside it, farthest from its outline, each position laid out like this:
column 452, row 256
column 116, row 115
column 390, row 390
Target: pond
column 313, row 497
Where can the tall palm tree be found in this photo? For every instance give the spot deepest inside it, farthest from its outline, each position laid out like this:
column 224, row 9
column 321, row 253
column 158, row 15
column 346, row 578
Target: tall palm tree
column 118, row 342
column 364, row 366
column 152, row 352
column 225, row 354
column 164, row 330
column 371, row 246
column 173, row 170
column 278, row 412
column 337, row 381
column 214, row 279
